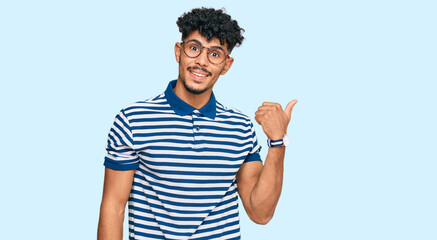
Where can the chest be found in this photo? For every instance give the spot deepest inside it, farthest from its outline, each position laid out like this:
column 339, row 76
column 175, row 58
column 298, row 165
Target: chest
column 169, row 143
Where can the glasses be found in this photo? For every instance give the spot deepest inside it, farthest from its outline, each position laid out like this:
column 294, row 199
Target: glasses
column 193, row 49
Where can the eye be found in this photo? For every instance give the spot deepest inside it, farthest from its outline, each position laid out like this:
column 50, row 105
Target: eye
column 216, row 54
column 194, row 47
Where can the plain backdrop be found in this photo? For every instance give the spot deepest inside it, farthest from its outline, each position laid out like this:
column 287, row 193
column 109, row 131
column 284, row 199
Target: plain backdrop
column 362, row 159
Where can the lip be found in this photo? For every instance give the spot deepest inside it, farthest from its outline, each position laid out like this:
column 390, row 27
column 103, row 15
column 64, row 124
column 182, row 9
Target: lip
column 199, row 70
column 198, row 78
column 198, row 74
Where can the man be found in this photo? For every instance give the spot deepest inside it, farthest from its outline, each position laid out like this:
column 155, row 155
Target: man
column 178, row 157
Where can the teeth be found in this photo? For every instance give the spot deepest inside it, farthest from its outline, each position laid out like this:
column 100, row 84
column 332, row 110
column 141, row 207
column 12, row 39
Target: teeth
column 200, row 75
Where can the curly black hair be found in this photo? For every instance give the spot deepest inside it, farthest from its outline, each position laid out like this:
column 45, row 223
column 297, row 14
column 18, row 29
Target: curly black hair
column 211, row 23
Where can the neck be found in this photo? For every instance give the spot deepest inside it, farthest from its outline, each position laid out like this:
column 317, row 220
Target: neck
column 195, row 100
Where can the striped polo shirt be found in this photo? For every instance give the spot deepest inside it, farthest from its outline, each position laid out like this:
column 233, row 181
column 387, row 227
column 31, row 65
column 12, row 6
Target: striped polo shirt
column 185, row 163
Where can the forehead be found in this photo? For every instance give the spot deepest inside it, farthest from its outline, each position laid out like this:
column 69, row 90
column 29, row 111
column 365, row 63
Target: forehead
column 213, row 42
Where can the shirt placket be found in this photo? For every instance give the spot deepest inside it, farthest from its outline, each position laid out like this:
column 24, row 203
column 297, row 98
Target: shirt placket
column 196, row 127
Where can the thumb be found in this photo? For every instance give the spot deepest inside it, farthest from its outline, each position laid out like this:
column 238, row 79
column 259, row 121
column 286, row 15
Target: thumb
column 289, row 107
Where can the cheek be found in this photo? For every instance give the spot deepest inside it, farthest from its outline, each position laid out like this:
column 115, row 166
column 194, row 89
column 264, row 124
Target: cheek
column 184, row 62
column 182, row 65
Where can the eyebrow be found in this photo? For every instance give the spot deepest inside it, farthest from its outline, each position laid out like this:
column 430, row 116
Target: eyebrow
column 194, row 40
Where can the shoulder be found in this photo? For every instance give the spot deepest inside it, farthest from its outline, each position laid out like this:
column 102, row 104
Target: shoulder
column 154, row 104
column 232, row 114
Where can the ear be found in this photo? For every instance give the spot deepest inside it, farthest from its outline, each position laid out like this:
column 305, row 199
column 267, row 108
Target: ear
column 177, row 51
column 227, row 65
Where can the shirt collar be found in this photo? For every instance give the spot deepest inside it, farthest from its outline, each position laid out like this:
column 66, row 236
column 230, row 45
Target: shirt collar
column 182, row 108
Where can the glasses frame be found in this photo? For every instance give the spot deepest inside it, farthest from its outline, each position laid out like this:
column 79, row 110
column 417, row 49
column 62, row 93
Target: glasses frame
column 201, row 51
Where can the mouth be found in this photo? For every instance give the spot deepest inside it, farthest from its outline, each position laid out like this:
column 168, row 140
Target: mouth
column 199, row 72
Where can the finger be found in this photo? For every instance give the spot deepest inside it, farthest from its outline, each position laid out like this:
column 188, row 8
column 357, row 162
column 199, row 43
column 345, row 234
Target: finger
column 260, row 114
column 270, row 104
column 260, row 117
column 266, row 108
column 289, row 108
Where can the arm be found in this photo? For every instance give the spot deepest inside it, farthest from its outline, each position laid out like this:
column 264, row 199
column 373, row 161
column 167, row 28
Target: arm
column 116, row 190
column 260, row 186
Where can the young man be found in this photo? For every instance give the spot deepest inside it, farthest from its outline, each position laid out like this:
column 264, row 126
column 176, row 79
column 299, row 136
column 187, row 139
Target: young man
column 178, row 157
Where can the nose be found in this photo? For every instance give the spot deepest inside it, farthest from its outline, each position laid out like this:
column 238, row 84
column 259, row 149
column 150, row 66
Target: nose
column 202, row 59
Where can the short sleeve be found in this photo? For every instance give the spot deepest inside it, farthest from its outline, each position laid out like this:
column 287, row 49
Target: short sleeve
column 256, row 147
column 120, row 149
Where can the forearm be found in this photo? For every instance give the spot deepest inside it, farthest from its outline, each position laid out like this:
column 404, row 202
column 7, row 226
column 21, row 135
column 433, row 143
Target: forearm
column 266, row 192
column 110, row 222
column 261, row 186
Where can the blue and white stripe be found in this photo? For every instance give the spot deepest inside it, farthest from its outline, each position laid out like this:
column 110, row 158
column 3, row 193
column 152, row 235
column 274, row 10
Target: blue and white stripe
column 186, row 161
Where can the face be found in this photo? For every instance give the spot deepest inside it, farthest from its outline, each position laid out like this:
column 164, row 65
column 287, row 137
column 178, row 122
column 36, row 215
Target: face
column 198, row 75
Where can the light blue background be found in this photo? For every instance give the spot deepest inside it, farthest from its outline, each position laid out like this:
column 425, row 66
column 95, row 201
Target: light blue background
column 362, row 162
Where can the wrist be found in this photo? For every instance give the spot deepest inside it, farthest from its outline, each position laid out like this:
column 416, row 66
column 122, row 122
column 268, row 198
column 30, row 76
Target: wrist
column 276, row 136
column 284, row 141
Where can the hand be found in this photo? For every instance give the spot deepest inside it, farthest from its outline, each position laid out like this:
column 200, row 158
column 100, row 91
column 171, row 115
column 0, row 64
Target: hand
column 273, row 119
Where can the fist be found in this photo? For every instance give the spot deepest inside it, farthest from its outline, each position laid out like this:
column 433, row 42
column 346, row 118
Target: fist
column 273, row 119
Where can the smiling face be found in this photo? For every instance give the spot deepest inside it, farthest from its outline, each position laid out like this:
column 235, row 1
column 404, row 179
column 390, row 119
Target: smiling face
column 198, row 75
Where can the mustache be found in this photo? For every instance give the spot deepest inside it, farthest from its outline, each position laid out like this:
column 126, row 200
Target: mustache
column 201, row 69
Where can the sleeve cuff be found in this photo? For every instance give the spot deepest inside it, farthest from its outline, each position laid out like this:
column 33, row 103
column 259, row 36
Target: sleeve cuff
column 253, row 157
column 121, row 167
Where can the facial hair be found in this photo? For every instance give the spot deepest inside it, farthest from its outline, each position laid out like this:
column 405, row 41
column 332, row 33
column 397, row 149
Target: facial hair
column 195, row 91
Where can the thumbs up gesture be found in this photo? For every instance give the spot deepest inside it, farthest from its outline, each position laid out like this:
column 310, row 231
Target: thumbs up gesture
column 273, row 119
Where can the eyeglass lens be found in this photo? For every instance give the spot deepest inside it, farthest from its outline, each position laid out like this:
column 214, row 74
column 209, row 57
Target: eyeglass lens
column 194, row 49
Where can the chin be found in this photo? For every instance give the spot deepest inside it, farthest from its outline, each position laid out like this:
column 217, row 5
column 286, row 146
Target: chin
column 193, row 86
column 193, row 90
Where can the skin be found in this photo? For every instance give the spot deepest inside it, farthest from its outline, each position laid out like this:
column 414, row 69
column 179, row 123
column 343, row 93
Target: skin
column 259, row 186
column 116, row 190
column 198, row 83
